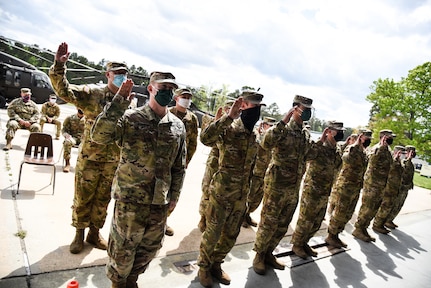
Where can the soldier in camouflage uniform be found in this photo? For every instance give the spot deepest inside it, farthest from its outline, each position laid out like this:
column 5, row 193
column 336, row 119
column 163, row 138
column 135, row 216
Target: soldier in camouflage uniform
column 322, row 162
column 73, row 130
column 375, row 178
column 290, row 143
column 334, row 193
column 406, row 185
column 49, row 113
column 183, row 99
column 148, row 180
column 234, row 137
column 347, row 187
column 211, row 165
column 96, row 164
column 259, row 168
column 23, row 114
column 390, row 192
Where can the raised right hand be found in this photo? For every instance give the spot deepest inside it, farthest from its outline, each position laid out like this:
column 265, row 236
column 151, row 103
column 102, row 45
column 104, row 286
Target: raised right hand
column 62, row 54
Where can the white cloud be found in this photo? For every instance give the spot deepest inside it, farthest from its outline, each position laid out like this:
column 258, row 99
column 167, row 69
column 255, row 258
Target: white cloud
column 331, row 51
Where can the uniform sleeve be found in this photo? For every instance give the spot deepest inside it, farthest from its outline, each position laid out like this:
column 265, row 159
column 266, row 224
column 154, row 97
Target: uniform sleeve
column 210, row 135
column 36, row 114
column 11, row 111
column 57, row 112
column 107, row 126
column 193, row 138
column 43, row 110
column 178, row 172
column 273, row 135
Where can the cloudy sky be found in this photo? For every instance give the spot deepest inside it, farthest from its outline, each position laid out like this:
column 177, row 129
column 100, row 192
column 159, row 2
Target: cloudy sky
column 330, row 51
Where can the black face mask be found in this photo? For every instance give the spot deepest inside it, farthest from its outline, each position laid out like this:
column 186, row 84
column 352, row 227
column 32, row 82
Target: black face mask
column 306, row 114
column 389, row 141
column 250, row 116
column 339, row 136
column 366, row 143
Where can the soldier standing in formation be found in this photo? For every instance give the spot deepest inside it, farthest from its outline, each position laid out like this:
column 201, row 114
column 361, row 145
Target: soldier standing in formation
column 73, row 130
column 375, row 178
column 49, row 114
column 259, row 168
column 322, row 162
column 183, row 100
column 290, row 143
column 347, row 187
column 23, row 114
column 96, row 164
column 406, row 185
column 390, row 192
column 149, row 178
column 234, row 137
column 211, row 164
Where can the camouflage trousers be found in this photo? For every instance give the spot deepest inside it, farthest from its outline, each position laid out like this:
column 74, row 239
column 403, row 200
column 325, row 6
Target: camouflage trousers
column 256, row 193
column 223, row 224
column 399, row 203
column 311, row 213
column 67, row 146
column 344, row 208
column 276, row 215
column 57, row 124
column 136, row 235
column 333, row 200
column 371, row 200
column 93, row 182
column 13, row 125
column 388, row 203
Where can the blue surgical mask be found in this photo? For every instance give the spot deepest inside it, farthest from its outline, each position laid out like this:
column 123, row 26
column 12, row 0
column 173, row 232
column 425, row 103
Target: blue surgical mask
column 163, row 97
column 119, row 79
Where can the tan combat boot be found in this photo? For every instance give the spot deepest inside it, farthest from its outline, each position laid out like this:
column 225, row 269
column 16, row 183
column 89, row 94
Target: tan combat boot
column 205, row 278
column 381, row 229
column 248, row 221
column 78, row 242
column 299, row 251
column 271, row 260
column 132, row 280
column 8, row 145
column 359, row 233
column 391, row 225
column 219, row 274
column 310, row 251
column 202, row 225
column 94, row 237
column 66, row 167
column 118, row 284
column 259, row 264
column 332, row 240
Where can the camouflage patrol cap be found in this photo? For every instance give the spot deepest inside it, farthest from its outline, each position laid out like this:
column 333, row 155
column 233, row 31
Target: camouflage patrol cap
column 269, row 120
column 410, row 147
column 399, row 147
column 229, row 102
column 182, row 91
column 25, row 90
column 115, row 66
column 252, row 97
column 163, row 77
column 367, row 133
column 336, row 125
column 298, row 99
column 387, row 132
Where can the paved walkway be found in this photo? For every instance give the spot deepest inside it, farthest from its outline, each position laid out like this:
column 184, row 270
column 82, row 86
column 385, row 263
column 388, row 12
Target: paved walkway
column 41, row 257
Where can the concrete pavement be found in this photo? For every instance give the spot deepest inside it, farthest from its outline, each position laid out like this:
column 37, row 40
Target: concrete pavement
column 41, row 257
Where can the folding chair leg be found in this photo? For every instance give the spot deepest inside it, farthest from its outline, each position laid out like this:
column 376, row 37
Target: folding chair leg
column 19, row 178
column 53, row 182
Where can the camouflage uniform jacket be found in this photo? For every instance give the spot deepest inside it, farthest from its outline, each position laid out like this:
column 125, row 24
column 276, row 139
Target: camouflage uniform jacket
column 394, row 178
column 352, row 169
column 51, row 111
column 323, row 160
column 90, row 99
column 290, row 144
column 262, row 157
column 408, row 173
column 153, row 152
column 190, row 121
column 379, row 163
column 19, row 110
column 74, row 126
column 237, row 149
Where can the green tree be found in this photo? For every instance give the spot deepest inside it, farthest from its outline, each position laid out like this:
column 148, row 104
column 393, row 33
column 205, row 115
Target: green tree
column 405, row 108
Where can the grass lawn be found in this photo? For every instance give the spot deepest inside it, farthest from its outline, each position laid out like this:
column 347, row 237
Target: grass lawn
column 422, row 181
